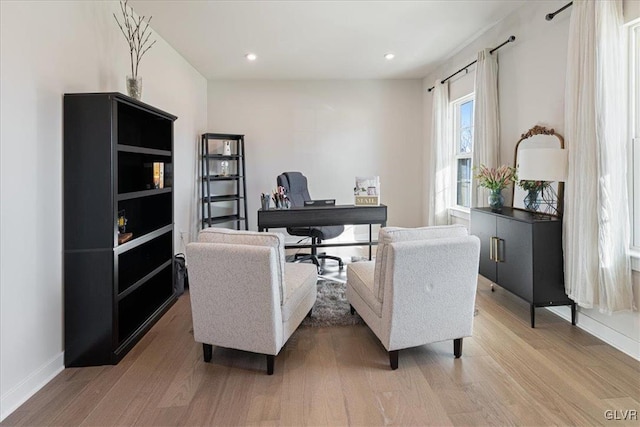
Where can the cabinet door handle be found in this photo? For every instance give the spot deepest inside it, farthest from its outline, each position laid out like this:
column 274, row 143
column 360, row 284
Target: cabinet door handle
column 491, row 249
column 495, row 250
column 498, row 259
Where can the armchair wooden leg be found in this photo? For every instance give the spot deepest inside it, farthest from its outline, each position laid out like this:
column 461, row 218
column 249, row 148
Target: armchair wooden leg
column 533, row 316
column 207, row 350
column 393, row 359
column 352, row 310
column 271, row 359
column 457, row 347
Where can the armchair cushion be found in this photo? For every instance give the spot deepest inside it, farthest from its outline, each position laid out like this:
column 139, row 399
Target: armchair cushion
column 253, row 238
column 301, row 279
column 389, row 235
column 360, row 278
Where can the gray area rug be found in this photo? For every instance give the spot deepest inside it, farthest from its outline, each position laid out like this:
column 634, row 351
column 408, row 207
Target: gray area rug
column 331, row 307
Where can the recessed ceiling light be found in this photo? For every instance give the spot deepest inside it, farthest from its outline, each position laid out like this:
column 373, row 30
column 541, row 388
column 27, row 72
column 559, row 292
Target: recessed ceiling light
column 251, row 56
column 389, row 56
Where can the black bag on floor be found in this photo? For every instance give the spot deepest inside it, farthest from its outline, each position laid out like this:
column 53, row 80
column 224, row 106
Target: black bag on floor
column 180, row 275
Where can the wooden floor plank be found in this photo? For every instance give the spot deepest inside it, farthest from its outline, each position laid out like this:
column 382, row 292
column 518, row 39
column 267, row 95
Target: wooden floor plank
column 185, row 381
column 144, row 411
column 565, row 393
column 509, row 374
column 209, row 395
column 324, row 407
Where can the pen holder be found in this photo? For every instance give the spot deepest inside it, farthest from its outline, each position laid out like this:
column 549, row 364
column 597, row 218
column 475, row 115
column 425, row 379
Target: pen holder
column 282, row 204
column 265, row 203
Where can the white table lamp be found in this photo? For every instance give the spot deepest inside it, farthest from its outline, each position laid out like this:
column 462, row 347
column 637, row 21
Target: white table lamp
column 542, row 164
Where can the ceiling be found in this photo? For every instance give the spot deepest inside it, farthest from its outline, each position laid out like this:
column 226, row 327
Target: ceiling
column 320, row 39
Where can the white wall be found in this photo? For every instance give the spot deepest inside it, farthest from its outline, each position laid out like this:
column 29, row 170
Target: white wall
column 531, row 91
column 331, row 131
column 48, row 49
column 631, row 9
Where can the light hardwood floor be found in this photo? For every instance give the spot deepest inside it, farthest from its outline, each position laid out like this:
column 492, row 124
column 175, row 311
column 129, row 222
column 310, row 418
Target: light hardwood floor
column 509, row 374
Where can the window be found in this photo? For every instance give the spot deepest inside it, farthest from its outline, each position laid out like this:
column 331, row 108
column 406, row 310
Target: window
column 463, row 143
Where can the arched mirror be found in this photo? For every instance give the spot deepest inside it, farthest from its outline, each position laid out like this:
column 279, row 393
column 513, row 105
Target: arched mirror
column 541, row 163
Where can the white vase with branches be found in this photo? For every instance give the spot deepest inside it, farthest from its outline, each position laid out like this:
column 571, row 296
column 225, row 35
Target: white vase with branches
column 137, row 32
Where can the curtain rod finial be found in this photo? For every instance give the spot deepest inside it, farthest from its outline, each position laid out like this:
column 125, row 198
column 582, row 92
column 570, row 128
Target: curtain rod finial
column 512, row 38
column 552, row 15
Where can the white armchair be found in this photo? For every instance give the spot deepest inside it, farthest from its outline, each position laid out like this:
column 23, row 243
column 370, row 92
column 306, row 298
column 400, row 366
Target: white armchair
column 243, row 294
column 420, row 289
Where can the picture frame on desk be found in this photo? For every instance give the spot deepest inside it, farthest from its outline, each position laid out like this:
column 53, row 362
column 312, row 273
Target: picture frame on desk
column 367, row 191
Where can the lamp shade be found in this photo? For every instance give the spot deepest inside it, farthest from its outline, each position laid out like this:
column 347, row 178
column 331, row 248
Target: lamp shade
column 542, row 164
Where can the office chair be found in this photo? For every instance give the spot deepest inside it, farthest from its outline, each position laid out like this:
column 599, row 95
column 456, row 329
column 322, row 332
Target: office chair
column 295, row 185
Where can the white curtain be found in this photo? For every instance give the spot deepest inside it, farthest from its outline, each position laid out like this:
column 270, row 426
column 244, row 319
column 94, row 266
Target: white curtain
column 441, row 156
column 486, row 121
column 596, row 218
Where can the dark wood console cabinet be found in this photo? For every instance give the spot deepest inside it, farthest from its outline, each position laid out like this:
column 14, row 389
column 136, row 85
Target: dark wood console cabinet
column 118, row 162
column 521, row 252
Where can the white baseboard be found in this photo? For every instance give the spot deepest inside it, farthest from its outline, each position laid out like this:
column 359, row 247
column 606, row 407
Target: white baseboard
column 601, row 331
column 12, row 399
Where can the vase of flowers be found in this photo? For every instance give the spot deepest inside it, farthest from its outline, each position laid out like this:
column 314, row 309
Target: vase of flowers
column 496, row 179
column 531, row 200
column 533, row 189
column 137, row 32
column 496, row 199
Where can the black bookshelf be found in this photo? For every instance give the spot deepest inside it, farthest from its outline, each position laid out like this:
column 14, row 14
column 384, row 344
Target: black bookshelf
column 223, row 199
column 114, row 150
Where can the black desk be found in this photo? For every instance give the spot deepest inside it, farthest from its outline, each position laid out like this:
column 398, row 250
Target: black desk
column 324, row 215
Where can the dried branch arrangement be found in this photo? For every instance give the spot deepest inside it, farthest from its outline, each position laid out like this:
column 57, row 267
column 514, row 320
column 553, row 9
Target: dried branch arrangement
column 137, row 32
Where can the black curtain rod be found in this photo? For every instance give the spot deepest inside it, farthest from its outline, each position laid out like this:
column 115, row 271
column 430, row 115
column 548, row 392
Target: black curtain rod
column 509, row 40
column 550, row 16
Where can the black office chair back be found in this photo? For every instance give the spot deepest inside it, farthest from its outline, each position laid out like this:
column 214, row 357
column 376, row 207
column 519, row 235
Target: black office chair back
column 295, row 185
